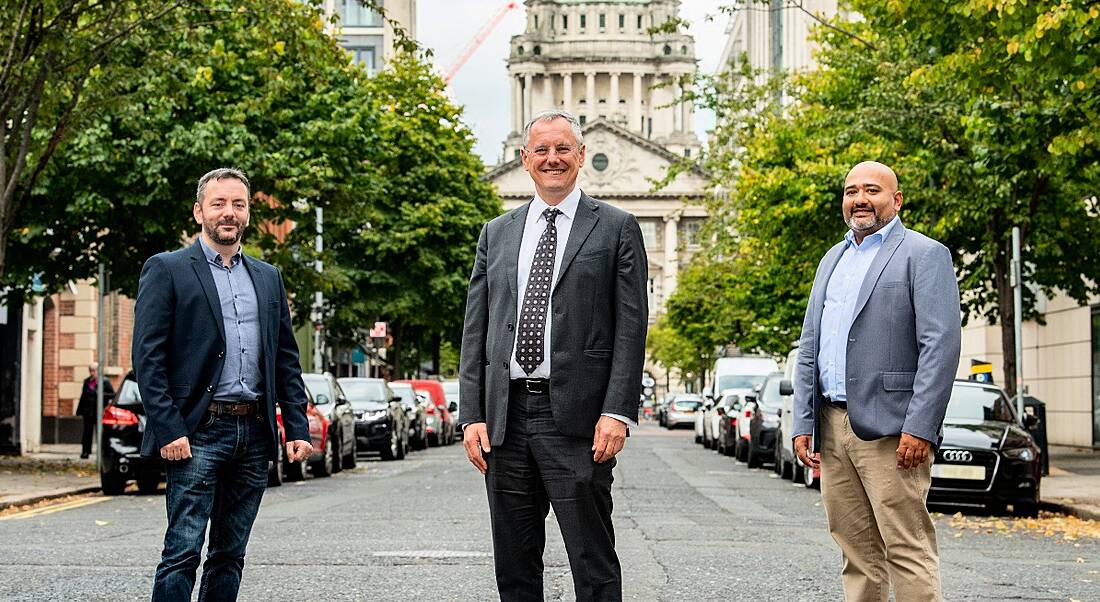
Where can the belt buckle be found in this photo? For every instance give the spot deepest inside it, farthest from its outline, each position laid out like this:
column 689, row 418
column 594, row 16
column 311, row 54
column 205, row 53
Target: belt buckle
column 530, row 386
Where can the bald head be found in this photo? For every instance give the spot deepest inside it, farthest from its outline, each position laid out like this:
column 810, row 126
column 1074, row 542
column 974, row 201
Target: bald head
column 871, row 198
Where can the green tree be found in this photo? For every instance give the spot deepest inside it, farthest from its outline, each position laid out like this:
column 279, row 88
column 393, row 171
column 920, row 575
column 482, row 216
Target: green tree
column 986, row 110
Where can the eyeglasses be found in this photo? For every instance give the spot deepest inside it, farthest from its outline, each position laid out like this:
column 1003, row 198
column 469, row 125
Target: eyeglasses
column 544, row 151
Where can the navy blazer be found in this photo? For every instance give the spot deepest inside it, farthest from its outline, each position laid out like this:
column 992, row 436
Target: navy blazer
column 179, row 347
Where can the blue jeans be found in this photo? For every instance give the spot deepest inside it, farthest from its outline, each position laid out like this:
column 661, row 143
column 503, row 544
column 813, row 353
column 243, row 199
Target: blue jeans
column 221, row 484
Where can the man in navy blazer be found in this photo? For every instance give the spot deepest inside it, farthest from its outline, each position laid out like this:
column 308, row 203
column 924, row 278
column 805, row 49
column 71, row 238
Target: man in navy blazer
column 213, row 352
column 878, row 354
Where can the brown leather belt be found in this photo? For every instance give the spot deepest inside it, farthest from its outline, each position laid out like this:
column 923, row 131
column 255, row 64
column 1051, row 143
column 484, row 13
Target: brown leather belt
column 227, row 408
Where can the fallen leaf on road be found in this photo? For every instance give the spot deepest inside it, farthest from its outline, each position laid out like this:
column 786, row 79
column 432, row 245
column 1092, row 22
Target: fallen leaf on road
column 102, row 523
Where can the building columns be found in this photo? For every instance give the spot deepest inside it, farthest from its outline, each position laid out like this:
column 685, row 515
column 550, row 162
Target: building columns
column 636, row 106
column 677, row 108
column 614, row 100
column 527, row 85
column 672, row 255
column 517, row 105
column 567, row 91
column 590, row 94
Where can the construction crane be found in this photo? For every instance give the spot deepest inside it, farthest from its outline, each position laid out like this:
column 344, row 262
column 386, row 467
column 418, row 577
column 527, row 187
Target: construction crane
column 475, row 43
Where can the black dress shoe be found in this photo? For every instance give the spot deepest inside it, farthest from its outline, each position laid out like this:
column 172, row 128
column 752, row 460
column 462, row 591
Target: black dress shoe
column 84, row 456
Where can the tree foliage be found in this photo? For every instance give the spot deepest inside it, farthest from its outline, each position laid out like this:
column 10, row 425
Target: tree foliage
column 988, row 112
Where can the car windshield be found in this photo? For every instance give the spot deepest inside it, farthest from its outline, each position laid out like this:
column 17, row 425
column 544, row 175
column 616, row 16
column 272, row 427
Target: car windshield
column 769, row 395
column 739, row 381
column 970, row 404
column 362, row 390
column 405, row 392
column 317, row 387
column 687, row 405
column 128, row 395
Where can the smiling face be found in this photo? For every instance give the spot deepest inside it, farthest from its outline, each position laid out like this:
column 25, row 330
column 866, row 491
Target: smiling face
column 553, row 158
column 871, row 198
column 223, row 212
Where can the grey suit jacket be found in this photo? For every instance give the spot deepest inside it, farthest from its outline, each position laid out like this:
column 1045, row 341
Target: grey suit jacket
column 902, row 350
column 598, row 325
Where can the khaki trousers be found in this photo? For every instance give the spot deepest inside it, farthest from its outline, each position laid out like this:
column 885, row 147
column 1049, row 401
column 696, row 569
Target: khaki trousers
column 877, row 515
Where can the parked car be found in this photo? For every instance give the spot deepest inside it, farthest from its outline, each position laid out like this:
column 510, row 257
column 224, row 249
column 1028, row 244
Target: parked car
column 764, row 422
column 381, row 424
column 418, row 417
column 787, row 464
column 662, row 408
column 333, row 404
column 700, row 420
column 442, row 430
column 740, row 375
column 682, row 410
column 454, row 402
column 986, row 456
column 284, row 470
column 725, row 437
column 123, row 428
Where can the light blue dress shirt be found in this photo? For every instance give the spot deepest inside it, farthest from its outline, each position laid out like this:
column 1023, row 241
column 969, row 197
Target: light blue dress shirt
column 840, row 306
column 241, row 378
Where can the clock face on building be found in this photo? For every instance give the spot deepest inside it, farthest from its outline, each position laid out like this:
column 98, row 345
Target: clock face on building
column 599, row 162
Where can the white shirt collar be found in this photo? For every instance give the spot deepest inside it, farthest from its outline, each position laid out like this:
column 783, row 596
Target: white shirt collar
column 568, row 207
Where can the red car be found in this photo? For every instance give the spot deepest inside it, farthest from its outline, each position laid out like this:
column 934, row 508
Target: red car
column 441, row 422
column 320, row 463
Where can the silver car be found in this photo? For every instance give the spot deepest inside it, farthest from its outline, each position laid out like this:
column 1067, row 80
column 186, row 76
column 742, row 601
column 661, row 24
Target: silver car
column 682, row 410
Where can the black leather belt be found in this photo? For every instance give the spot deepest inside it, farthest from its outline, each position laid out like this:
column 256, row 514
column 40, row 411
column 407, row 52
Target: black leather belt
column 532, row 386
column 836, row 403
column 233, row 408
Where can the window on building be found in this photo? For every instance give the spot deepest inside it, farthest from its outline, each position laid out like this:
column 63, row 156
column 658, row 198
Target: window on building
column 583, row 119
column 684, row 50
column 667, row 50
column 584, row 22
column 536, row 21
column 649, row 128
column 652, row 290
column 603, row 21
column 537, row 50
column 687, row 152
column 622, row 22
column 639, row 22
column 366, row 56
column 519, row 50
column 353, row 14
column 565, row 22
column 691, row 232
column 649, row 233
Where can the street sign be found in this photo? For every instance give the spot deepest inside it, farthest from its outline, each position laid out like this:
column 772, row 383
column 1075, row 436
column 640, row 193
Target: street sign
column 379, row 330
column 647, row 391
column 647, row 381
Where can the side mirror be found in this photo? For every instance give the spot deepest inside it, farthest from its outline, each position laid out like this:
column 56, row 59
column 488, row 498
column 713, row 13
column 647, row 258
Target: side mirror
column 397, row 398
column 785, row 387
column 1030, row 421
column 452, row 407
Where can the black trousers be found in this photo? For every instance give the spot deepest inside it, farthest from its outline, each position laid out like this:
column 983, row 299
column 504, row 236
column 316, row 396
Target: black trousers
column 87, row 435
column 535, row 468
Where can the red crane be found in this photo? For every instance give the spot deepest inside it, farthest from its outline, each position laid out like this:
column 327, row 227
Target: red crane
column 475, row 43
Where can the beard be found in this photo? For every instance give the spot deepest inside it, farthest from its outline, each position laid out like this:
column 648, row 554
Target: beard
column 864, row 224
column 211, row 229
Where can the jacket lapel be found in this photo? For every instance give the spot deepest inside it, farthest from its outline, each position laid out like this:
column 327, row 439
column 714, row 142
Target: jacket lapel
column 262, row 297
column 832, row 258
column 583, row 222
column 206, row 281
column 889, row 246
column 511, row 239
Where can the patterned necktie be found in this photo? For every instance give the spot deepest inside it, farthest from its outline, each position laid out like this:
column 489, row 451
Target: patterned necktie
column 536, row 298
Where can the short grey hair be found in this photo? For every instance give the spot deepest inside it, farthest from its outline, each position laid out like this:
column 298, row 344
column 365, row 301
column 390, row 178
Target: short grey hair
column 222, row 173
column 551, row 115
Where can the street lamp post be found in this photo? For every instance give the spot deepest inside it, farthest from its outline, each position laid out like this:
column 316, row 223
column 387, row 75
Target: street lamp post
column 101, row 290
column 319, row 297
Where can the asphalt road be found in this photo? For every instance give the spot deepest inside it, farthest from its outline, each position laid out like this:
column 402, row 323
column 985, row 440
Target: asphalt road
column 691, row 525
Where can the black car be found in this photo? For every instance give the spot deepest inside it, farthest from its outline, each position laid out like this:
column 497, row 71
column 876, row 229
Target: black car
column 123, row 427
column 418, row 417
column 764, row 423
column 334, row 406
column 986, row 457
column 381, row 423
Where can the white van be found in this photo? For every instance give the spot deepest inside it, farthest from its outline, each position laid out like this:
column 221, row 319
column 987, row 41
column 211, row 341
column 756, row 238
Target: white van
column 740, row 375
column 786, row 463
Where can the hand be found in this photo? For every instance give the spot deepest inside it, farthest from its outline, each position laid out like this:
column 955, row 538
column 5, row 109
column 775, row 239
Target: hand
column 298, row 450
column 609, row 440
column 802, row 450
column 475, row 438
column 180, row 449
column 912, row 451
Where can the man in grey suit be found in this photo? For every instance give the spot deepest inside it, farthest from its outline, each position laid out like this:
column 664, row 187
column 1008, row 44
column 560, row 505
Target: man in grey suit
column 879, row 351
column 552, row 353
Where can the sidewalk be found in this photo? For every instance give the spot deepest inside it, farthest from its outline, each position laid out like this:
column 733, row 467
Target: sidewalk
column 56, row 471
column 1073, row 485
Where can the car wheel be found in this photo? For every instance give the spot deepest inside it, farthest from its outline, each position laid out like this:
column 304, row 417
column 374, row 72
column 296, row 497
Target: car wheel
column 777, row 459
column 293, row 471
column 112, row 483
column 421, row 441
column 754, row 459
column 729, row 448
column 403, row 447
column 742, row 451
column 323, row 466
column 349, row 461
column 148, row 484
column 390, row 451
column 698, row 438
column 787, row 467
column 276, row 473
column 337, row 455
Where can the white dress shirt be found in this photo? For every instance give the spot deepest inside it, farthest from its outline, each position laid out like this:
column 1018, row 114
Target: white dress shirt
column 532, row 231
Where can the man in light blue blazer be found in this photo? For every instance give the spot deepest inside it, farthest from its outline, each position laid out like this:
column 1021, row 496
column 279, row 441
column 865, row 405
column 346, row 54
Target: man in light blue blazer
column 878, row 354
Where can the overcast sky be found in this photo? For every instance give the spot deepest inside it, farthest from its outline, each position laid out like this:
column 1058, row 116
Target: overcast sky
column 482, row 84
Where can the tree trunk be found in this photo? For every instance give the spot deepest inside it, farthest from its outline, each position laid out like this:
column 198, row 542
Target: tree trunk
column 1006, row 310
column 436, row 342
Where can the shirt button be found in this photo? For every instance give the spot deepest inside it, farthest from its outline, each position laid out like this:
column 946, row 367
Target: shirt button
column 209, row 389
